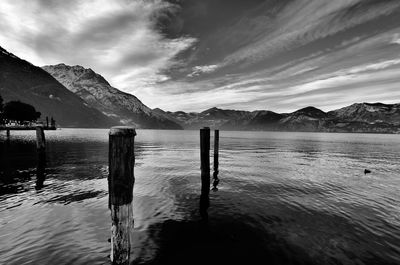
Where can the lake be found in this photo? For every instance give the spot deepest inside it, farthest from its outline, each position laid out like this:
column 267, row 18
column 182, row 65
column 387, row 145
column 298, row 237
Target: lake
column 283, row 198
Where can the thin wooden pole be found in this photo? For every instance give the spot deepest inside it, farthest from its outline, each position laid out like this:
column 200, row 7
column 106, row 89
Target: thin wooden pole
column 121, row 180
column 216, row 150
column 205, row 170
column 40, row 139
column 216, row 161
column 8, row 134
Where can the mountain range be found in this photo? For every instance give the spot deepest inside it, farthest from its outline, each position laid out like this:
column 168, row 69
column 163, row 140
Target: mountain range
column 79, row 97
column 359, row 117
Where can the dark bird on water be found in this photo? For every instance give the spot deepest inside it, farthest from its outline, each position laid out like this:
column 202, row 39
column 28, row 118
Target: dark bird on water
column 366, row 171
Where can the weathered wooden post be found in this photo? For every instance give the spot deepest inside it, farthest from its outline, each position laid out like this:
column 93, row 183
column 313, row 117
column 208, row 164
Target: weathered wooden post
column 216, row 150
column 205, row 158
column 40, row 139
column 8, row 134
column 205, row 170
column 216, row 162
column 120, row 186
column 47, row 122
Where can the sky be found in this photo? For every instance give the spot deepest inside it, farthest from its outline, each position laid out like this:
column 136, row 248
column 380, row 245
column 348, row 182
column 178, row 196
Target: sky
column 192, row 55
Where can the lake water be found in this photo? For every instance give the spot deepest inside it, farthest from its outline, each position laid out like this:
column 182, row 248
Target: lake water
column 283, row 198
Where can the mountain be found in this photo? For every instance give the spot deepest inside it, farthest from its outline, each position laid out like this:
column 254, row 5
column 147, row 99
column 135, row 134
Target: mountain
column 99, row 94
column 308, row 119
column 227, row 119
column 266, row 120
column 360, row 117
column 369, row 112
column 21, row 80
column 262, row 120
column 213, row 117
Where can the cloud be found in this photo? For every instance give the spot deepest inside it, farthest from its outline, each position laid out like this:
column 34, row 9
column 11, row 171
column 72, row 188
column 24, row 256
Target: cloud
column 327, row 90
column 192, row 55
column 396, row 39
column 118, row 39
column 303, row 22
column 205, row 69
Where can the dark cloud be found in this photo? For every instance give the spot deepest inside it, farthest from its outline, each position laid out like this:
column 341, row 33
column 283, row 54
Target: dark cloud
column 201, row 17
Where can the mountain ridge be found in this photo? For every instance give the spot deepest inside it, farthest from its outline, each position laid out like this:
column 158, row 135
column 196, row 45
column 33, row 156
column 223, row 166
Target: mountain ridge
column 98, row 93
column 358, row 117
column 23, row 81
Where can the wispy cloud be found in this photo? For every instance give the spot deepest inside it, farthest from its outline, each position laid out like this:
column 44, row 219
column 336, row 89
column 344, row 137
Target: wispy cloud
column 396, row 39
column 204, row 69
column 302, row 22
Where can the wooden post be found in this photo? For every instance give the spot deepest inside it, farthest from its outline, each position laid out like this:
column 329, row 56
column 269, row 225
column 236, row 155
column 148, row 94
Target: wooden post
column 52, row 123
column 205, row 170
column 8, row 134
column 216, row 162
column 205, row 158
column 121, row 180
column 216, row 150
column 47, row 122
column 40, row 139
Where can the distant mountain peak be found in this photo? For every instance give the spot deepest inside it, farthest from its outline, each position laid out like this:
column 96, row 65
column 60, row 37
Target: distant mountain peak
column 76, row 72
column 310, row 109
column 213, row 109
column 311, row 112
column 21, row 80
column 98, row 93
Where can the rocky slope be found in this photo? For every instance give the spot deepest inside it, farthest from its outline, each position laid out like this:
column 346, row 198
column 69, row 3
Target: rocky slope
column 308, row 119
column 360, row 117
column 99, row 94
column 20, row 80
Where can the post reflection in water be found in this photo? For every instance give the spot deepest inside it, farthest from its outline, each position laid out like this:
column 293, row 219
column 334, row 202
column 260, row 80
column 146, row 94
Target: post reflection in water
column 205, row 198
column 40, row 170
column 204, row 204
column 216, row 181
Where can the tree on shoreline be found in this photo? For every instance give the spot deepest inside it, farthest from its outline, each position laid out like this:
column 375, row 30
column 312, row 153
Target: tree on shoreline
column 20, row 112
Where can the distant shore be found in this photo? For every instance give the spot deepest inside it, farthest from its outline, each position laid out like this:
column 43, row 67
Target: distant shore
column 25, row 128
